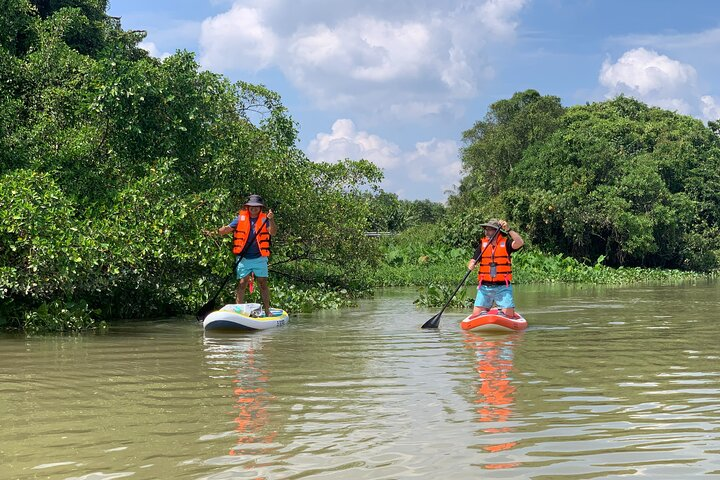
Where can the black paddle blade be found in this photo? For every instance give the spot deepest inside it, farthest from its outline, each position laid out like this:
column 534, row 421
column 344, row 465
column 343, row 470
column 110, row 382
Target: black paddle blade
column 433, row 322
column 205, row 310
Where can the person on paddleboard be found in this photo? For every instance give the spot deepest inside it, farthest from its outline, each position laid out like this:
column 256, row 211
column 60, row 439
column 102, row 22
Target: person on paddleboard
column 495, row 272
column 254, row 225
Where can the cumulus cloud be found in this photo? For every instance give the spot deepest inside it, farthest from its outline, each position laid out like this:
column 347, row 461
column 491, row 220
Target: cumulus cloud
column 426, row 171
column 345, row 141
column 364, row 53
column 238, row 38
column 710, row 107
column 651, row 77
column 153, row 50
column 498, row 15
column 645, row 71
column 432, row 160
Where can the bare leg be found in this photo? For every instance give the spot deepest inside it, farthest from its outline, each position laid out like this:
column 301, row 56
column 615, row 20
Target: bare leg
column 240, row 290
column 510, row 312
column 478, row 310
column 265, row 294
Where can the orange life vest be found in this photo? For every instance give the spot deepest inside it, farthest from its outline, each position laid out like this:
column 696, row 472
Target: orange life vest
column 498, row 255
column 242, row 232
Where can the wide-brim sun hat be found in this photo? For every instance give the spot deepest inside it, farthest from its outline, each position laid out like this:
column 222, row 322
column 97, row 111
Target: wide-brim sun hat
column 492, row 224
column 255, row 201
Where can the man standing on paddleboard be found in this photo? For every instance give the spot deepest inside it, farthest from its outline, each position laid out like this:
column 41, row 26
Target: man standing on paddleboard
column 495, row 272
column 252, row 230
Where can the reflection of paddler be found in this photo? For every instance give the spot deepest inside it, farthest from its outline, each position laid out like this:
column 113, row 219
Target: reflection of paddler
column 495, row 391
column 251, row 400
column 495, row 394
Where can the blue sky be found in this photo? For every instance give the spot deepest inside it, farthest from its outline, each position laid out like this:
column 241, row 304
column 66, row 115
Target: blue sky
column 397, row 82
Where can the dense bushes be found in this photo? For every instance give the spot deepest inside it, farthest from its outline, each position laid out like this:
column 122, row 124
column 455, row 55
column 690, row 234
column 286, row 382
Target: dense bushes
column 115, row 163
column 422, row 257
column 637, row 185
column 620, row 179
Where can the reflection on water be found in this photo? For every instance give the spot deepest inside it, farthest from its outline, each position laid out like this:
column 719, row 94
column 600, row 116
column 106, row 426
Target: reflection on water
column 249, row 390
column 237, row 361
column 606, row 382
column 495, row 389
column 251, row 416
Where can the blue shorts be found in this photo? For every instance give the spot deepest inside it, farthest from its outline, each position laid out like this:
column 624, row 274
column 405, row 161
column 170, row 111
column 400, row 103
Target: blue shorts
column 258, row 266
column 501, row 295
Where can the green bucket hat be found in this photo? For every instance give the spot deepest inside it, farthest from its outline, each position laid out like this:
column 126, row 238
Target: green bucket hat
column 492, row 223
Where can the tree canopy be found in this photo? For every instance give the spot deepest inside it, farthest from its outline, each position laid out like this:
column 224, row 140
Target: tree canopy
column 113, row 162
column 635, row 184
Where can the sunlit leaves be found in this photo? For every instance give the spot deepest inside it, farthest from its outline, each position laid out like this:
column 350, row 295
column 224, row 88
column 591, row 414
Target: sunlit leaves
column 114, row 162
column 623, row 180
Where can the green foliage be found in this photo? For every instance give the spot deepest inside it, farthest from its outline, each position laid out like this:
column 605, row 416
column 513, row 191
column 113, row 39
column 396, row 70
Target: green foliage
column 62, row 317
column 416, row 258
column 437, row 294
column 85, row 22
column 42, row 247
column 17, row 26
column 494, row 146
column 391, row 214
column 532, row 266
column 620, row 179
column 112, row 163
column 294, row 298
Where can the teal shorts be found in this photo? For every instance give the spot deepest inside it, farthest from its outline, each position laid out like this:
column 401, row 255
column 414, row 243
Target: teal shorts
column 500, row 295
column 258, row 266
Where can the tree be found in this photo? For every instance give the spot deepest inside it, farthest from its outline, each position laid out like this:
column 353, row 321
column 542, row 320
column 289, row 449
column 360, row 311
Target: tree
column 619, row 179
column 17, row 26
column 112, row 163
column 88, row 31
column 494, row 146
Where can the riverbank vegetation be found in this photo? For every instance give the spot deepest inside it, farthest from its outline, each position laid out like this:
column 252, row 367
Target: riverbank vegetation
column 422, row 257
column 113, row 162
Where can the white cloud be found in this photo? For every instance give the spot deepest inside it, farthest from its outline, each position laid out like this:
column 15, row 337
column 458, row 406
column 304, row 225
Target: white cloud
column 364, row 54
column 152, row 49
column 684, row 75
column 434, row 162
column 362, row 48
column 346, row 142
column 650, row 77
column 427, row 171
column 498, row 15
column 710, row 107
column 645, row 72
column 238, row 38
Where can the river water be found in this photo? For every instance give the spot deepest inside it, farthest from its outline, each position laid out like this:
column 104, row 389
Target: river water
column 605, row 383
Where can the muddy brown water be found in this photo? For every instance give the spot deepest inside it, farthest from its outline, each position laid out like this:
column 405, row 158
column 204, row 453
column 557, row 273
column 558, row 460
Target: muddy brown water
column 605, row 383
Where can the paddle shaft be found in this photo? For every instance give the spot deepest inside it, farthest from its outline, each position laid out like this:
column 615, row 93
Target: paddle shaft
column 251, row 238
column 435, row 321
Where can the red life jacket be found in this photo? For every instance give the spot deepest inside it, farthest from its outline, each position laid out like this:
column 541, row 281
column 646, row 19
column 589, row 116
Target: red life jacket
column 242, row 232
column 497, row 254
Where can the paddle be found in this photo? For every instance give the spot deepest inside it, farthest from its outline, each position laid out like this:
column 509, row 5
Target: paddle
column 210, row 306
column 435, row 321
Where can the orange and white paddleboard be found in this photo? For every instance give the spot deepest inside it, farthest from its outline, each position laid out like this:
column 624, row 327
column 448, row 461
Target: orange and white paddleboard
column 492, row 322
